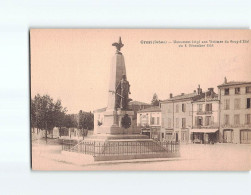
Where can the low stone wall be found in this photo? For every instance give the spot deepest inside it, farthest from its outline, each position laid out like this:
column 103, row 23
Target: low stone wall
column 136, row 156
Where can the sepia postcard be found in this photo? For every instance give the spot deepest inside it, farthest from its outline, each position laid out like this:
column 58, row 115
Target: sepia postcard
column 140, row 99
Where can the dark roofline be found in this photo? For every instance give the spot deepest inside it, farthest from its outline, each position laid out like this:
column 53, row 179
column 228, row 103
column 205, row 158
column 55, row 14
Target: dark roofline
column 234, row 83
column 151, row 109
column 135, row 102
column 176, row 98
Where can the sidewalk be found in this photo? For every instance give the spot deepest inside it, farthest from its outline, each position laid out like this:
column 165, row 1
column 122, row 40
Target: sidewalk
column 193, row 157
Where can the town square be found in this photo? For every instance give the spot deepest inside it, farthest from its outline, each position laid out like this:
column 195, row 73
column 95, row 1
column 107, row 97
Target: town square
column 202, row 129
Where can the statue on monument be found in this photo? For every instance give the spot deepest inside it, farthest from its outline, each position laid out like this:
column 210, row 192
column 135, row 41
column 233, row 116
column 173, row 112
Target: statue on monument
column 122, row 92
column 118, row 45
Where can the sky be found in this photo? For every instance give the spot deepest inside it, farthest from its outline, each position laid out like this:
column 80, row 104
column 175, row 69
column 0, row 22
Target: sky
column 73, row 65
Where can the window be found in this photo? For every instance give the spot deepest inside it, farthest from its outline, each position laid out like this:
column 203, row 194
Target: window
column 177, row 108
column 208, row 120
column 237, row 104
column 226, row 91
column 226, row 119
column 183, row 107
column 157, row 120
column 227, row 104
column 183, row 122
column 199, row 121
column 169, row 123
column 152, row 120
column 248, row 89
column 248, row 102
column 199, row 107
column 169, row 109
column 237, row 90
column 162, row 122
column 236, row 119
column 208, row 107
column 177, row 122
column 248, row 119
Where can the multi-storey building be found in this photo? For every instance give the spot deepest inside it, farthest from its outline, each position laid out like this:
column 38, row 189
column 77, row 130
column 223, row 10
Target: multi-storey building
column 235, row 112
column 149, row 120
column 205, row 127
column 177, row 116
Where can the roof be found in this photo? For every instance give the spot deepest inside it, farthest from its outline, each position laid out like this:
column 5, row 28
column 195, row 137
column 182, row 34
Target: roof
column 232, row 83
column 209, row 97
column 215, row 98
column 138, row 103
column 151, row 109
column 181, row 97
column 100, row 110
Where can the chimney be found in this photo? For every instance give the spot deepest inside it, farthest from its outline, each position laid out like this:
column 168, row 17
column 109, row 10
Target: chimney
column 225, row 80
column 199, row 90
column 211, row 91
column 171, row 95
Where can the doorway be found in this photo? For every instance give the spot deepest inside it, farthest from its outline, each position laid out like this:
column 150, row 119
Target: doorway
column 228, row 135
column 245, row 136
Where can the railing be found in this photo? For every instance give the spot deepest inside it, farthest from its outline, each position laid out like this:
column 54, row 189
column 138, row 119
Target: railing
column 122, row 147
column 204, row 112
column 236, row 126
column 205, row 127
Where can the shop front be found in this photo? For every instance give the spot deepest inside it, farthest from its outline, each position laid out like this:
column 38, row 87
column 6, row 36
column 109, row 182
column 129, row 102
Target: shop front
column 146, row 131
column 245, row 136
column 204, row 136
column 152, row 133
column 169, row 135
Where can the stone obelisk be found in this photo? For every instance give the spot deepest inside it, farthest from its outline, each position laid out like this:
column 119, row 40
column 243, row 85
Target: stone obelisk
column 117, row 70
column 116, row 111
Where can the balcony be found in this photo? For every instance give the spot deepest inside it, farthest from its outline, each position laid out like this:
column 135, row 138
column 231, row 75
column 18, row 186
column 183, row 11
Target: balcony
column 205, row 127
column 204, row 112
column 236, row 126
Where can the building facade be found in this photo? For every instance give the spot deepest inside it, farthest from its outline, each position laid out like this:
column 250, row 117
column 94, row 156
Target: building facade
column 205, row 126
column 177, row 118
column 235, row 112
column 149, row 121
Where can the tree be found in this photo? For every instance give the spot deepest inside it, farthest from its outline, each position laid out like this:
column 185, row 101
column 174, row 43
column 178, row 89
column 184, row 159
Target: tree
column 45, row 113
column 70, row 121
column 155, row 100
column 86, row 120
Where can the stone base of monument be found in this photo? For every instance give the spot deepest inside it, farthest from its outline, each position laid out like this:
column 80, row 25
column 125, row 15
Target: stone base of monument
column 112, row 148
column 113, row 123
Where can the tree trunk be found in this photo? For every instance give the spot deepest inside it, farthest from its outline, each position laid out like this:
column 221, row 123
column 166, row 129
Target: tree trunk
column 46, row 136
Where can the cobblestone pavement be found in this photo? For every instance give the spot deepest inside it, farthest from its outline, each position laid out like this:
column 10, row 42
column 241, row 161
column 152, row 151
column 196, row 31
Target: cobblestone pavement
column 193, row 157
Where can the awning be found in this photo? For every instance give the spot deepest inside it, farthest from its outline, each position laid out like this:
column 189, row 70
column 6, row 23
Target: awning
column 203, row 130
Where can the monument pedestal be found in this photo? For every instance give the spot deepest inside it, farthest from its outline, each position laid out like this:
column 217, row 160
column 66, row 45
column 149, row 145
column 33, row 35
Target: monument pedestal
column 113, row 123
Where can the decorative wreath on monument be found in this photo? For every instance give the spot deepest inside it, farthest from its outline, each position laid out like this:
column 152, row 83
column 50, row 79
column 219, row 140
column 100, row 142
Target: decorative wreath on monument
column 126, row 121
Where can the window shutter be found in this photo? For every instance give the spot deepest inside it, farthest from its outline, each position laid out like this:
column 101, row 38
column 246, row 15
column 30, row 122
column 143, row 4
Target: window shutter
column 212, row 121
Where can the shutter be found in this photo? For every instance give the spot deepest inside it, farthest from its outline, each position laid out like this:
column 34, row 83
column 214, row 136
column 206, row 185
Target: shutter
column 212, row 120
column 196, row 121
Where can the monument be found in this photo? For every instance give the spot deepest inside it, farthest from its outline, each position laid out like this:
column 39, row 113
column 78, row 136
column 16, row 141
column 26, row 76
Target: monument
column 114, row 137
column 117, row 117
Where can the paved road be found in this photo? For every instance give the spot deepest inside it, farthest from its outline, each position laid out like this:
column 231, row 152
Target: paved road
column 193, row 157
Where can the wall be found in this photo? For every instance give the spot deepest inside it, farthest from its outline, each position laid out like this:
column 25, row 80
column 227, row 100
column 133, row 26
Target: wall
column 232, row 111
